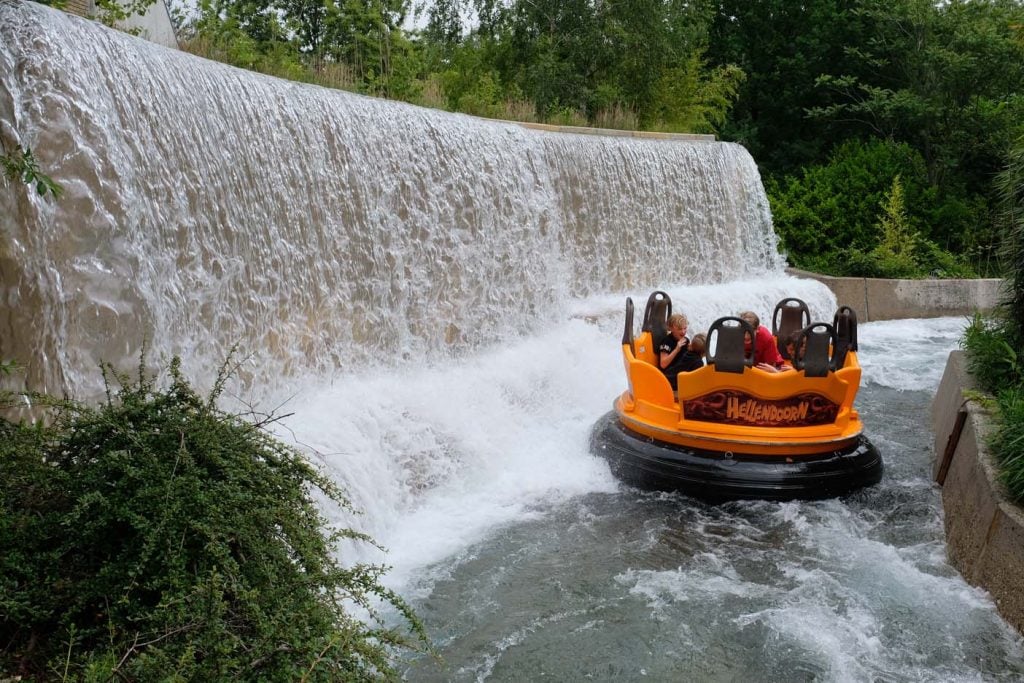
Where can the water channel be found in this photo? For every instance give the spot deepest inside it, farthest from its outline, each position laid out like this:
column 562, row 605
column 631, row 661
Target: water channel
column 529, row 561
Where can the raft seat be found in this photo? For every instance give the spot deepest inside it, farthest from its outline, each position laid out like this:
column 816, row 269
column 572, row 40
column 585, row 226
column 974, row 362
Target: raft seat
column 643, row 349
column 816, row 360
column 845, row 324
column 725, row 345
column 656, row 315
column 790, row 316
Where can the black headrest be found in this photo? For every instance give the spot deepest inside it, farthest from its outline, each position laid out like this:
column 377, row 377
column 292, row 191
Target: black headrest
column 659, row 308
column 814, row 358
column 627, row 334
column 725, row 344
column 845, row 323
column 790, row 316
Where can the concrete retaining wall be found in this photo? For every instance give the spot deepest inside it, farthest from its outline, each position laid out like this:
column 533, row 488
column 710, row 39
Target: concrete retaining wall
column 984, row 532
column 884, row 299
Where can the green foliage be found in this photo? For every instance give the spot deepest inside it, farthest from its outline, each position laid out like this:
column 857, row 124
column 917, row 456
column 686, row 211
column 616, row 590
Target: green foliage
column 21, row 166
column 832, row 207
column 1010, row 186
column 158, row 538
column 367, row 35
column 469, row 85
column 615, row 64
column 995, row 354
column 112, row 12
column 991, row 358
column 690, row 98
column 896, row 252
column 480, row 97
column 354, row 44
column 231, row 45
column 1008, row 441
column 783, row 47
column 828, row 217
column 935, row 261
column 942, row 76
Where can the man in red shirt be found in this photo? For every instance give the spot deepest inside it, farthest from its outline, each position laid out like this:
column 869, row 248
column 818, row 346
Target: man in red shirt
column 766, row 353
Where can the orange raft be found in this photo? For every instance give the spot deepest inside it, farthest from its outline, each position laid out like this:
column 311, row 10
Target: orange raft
column 736, row 431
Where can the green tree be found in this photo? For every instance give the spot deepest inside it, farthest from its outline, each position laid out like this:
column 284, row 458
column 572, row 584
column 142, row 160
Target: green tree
column 367, row 35
column 656, row 66
column 783, row 47
column 994, row 345
column 692, row 99
column 827, row 215
column 832, row 207
column 307, row 21
column 244, row 29
column 642, row 59
column 897, row 249
column 113, row 12
column 945, row 78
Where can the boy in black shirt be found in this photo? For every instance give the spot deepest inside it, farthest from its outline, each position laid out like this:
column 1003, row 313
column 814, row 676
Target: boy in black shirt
column 672, row 350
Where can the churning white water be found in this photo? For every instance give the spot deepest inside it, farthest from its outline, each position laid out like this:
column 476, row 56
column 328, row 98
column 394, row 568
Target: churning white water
column 439, row 454
column 439, row 300
column 529, row 560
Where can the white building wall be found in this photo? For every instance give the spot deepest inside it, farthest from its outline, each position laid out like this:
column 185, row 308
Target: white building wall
column 155, row 25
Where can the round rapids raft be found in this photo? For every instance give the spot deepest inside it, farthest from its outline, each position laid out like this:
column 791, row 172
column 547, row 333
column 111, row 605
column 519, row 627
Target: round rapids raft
column 735, row 431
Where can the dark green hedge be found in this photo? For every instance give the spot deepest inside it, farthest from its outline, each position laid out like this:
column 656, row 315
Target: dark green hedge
column 829, row 217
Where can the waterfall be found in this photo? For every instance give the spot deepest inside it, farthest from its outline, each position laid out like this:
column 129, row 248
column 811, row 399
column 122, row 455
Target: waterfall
column 318, row 231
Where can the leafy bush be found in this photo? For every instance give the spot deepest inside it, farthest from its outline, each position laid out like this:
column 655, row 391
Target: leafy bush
column 829, row 218
column 1010, row 184
column 937, row 262
column 991, row 359
column 158, row 538
column 834, row 206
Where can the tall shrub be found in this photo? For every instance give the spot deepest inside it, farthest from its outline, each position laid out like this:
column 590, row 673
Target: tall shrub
column 895, row 253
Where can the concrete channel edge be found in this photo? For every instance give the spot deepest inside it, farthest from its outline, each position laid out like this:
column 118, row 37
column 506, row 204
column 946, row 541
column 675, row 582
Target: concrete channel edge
column 984, row 530
column 885, row 299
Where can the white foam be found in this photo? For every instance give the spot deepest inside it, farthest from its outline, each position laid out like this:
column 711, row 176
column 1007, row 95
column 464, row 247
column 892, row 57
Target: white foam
column 908, row 354
column 708, row 574
column 438, row 456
